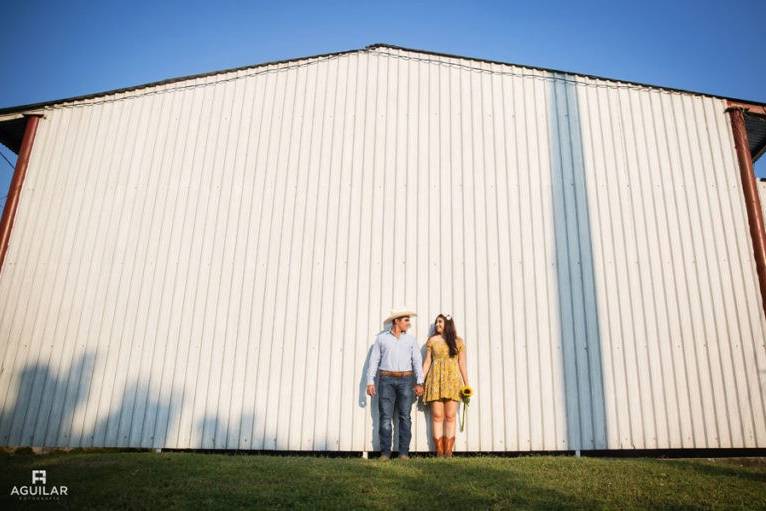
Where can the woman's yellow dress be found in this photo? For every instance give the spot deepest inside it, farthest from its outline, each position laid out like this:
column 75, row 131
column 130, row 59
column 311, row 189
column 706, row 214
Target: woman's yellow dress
column 443, row 380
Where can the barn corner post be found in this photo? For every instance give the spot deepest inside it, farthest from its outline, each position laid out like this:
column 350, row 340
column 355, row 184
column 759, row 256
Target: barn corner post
column 17, row 181
column 749, row 188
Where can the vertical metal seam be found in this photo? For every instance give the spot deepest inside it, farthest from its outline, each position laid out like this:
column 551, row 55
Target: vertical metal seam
column 583, row 236
column 228, row 312
column 60, row 353
column 652, row 122
column 132, row 149
column 705, row 140
column 147, row 388
column 638, row 398
column 706, row 375
column 106, row 357
column 547, row 257
column 689, row 277
column 266, row 237
column 90, row 369
column 485, row 173
column 302, row 224
column 595, row 169
column 264, row 141
column 607, row 274
column 346, row 288
column 668, row 122
column 339, row 170
column 187, row 402
column 511, row 293
column 274, row 275
column 615, row 129
column 361, row 171
column 645, row 316
column 176, row 402
column 522, row 273
column 503, row 325
column 372, row 208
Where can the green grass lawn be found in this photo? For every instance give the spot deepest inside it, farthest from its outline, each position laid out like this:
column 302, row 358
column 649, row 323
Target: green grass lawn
column 114, row 480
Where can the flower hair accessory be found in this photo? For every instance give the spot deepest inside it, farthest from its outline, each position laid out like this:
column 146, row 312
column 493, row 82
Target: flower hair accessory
column 448, row 317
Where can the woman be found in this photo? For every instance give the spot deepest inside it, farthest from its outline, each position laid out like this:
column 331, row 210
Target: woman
column 445, row 370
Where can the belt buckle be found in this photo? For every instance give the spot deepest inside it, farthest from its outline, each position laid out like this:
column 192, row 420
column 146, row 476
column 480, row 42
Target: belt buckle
column 395, row 374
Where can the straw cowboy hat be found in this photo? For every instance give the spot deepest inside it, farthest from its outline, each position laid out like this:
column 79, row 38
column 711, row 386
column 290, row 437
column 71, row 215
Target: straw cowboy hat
column 398, row 313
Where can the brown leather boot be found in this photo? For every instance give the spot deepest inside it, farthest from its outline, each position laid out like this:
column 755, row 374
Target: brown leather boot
column 439, row 447
column 450, row 443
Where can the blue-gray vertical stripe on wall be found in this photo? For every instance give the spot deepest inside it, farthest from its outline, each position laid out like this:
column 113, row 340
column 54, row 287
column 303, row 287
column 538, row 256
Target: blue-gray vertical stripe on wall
column 579, row 322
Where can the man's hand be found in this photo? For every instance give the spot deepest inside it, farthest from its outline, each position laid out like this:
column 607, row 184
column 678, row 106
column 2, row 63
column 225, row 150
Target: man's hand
column 418, row 390
column 371, row 390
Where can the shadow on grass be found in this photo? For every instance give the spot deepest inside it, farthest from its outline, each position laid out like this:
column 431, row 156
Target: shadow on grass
column 392, row 485
column 718, row 470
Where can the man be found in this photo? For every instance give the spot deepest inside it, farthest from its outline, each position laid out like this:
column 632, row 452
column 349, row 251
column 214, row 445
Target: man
column 395, row 357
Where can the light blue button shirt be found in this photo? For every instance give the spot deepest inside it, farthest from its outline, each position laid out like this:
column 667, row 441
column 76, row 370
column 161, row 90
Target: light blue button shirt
column 390, row 353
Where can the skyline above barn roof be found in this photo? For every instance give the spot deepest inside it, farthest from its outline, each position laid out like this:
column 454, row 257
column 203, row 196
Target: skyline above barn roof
column 41, row 104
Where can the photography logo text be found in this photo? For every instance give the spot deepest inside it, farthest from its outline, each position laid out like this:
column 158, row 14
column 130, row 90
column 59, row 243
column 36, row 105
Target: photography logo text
column 39, row 489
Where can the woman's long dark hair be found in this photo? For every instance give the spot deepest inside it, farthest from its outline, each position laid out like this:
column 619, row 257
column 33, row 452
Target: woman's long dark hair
column 449, row 334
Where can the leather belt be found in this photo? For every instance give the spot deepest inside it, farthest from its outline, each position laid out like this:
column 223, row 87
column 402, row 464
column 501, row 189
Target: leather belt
column 396, row 374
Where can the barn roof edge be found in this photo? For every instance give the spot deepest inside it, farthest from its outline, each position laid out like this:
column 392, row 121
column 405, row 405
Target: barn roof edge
column 19, row 109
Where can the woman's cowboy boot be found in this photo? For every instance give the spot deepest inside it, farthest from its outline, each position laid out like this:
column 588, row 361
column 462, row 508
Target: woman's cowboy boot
column 439, row 447
column 450, row 443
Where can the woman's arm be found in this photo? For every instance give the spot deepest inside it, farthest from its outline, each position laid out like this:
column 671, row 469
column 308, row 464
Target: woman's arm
column 461, row 363
column 427, row 360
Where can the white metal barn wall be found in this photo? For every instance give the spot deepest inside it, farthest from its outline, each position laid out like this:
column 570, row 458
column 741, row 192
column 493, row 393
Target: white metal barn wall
column 762, row 195
column 207, row 266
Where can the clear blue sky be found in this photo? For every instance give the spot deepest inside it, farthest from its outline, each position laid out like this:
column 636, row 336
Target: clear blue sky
column 53, row 50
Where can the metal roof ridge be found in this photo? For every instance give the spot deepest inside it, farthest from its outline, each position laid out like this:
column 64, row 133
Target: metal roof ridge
column 574, row 73
column 165, row 81
column 33, row 106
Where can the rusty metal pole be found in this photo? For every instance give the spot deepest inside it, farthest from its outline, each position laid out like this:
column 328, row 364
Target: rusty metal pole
column 752, row 201
column 9, row 212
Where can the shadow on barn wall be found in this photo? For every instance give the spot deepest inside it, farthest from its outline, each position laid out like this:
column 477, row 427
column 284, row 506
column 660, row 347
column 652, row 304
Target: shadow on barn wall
column 45, row 410
column 42, row 411
column 580, row 335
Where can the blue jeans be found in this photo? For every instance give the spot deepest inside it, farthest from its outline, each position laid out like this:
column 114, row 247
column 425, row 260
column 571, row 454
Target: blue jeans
column 395, row 393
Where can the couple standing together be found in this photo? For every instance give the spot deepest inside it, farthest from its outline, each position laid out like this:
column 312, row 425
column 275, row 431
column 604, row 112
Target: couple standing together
column 403, row 374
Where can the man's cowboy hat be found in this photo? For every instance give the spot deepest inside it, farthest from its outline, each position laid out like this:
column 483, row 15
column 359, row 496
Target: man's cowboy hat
column 398, row 313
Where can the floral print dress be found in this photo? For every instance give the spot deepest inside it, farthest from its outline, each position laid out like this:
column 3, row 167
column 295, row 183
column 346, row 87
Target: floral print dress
column 443, row 379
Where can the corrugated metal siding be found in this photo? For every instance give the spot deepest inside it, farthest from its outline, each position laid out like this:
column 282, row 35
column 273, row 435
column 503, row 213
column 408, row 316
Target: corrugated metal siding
column 207, row 268
column 762, row 194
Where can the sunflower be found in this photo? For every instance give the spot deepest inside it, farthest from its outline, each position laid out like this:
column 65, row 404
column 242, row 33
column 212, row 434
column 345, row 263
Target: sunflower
column 465, row 394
